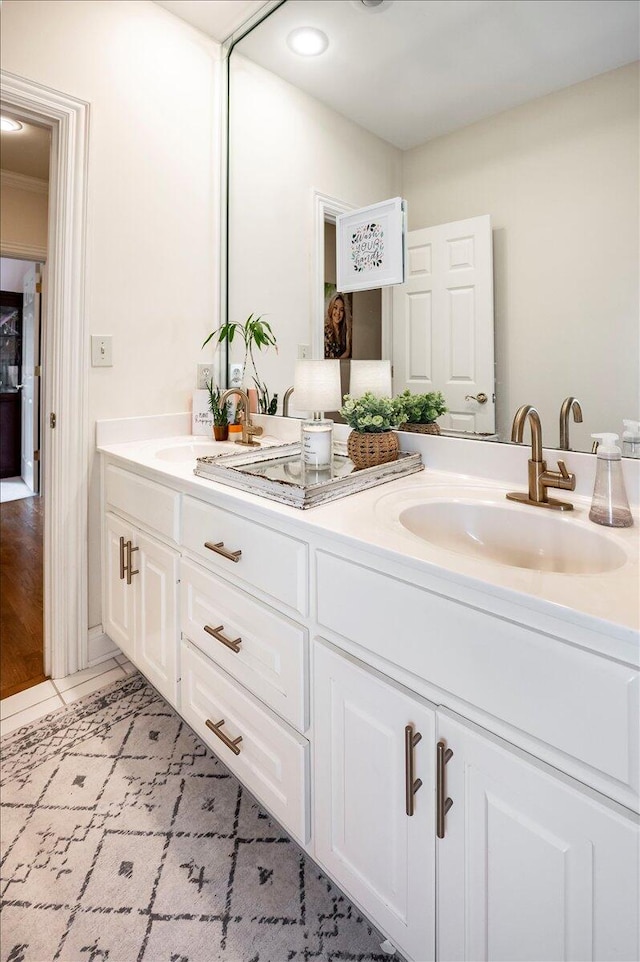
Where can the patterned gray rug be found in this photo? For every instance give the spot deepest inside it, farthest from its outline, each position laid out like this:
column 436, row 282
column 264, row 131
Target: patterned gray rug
column 124, row 839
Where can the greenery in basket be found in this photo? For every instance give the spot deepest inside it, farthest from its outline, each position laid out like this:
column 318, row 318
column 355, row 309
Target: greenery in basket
column 220, row 411
column 422, row 408
column 255, row 333
column 372, row 415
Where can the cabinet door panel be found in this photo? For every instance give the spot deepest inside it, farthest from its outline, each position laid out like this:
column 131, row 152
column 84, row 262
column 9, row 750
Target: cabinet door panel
column 382, row 857
column 531, row 867
column 119, row 613
column 156, row 650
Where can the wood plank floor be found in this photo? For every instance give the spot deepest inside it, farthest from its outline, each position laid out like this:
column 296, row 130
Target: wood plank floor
column 21, row 595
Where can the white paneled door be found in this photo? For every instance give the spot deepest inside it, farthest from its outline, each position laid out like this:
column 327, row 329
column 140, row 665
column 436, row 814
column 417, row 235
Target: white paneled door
column 443, row 336
column 30, row 394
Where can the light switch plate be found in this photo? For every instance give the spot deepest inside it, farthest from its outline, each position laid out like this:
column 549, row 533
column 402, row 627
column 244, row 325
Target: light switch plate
column 101, row 352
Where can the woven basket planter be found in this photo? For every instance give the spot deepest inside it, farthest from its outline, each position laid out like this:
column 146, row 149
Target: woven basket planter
column 429, row 428
column 367, row 450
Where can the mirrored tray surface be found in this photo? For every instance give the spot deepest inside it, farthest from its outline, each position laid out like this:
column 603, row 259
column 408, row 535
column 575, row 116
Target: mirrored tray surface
column 278, row 473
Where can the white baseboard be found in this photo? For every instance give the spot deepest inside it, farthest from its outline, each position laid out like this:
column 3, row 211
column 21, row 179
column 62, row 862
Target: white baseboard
column 99, row 647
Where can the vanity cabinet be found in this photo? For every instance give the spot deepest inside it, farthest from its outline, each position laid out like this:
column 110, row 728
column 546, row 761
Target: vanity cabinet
column 525, row 863
column 464, row 765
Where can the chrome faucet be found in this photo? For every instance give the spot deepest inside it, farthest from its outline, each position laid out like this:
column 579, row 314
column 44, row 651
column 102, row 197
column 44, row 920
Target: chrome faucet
column 539, row 478
column 248, row 429
column 568, row 405
column 285, row 402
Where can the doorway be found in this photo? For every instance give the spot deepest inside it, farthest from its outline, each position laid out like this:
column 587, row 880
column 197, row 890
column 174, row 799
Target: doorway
column 25, row 189
column 65, row 435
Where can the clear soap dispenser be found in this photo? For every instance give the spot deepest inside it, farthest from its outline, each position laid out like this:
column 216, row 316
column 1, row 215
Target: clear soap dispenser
column 609, row 505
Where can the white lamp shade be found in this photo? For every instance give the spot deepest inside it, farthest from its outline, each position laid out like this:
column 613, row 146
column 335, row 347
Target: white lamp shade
column 371, row 376
column 316, row 385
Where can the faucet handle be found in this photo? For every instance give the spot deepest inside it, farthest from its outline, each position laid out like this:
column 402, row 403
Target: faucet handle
column 563, row 470
column 254, row 429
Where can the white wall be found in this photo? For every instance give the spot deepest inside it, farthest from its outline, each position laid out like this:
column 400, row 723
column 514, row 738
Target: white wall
column 285, row 145
column 559, row 177
column 153, row 197
column 12, row 274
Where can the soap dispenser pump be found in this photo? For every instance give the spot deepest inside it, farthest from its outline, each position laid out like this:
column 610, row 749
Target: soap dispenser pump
column 609, row 505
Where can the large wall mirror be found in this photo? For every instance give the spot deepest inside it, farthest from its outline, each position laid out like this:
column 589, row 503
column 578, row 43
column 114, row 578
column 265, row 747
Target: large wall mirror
column 523, row 110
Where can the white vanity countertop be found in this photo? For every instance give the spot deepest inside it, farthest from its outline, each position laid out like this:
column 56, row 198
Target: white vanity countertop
column 599, row 606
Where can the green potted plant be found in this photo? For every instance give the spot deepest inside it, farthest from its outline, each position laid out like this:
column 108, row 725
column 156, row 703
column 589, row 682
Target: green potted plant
column 219, row 411
column 255, row 333
column 421, row 411
column 372, row 420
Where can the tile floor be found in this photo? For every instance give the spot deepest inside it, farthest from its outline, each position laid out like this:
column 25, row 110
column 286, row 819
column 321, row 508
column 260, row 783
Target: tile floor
column 27, row 706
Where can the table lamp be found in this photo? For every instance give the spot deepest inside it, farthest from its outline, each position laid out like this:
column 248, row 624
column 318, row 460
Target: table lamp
column 373, row 377
column 316, row 386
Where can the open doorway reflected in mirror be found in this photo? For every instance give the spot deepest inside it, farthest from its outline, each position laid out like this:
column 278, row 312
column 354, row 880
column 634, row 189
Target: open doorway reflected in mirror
column 352, row 322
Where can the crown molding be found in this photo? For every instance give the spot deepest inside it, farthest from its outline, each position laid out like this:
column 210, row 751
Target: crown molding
column 9, row 178
column 25, row 252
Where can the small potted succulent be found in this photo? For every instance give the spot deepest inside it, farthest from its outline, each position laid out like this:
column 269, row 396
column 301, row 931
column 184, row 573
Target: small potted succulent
column 219, row 411
column 421, row 411
column 372, row 420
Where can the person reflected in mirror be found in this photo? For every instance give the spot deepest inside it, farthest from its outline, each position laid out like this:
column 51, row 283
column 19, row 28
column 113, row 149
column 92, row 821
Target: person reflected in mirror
column 337, row 328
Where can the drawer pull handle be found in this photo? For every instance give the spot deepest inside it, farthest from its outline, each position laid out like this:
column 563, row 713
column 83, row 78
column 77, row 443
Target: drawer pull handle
column 412, row 784
column 233, row 644
column 130, row 571
column 123, row 567
column 219, row 548
column 443, row 804
column 230, row 743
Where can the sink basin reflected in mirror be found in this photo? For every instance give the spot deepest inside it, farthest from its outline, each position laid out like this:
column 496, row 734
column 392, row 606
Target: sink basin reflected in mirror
column 517, row 538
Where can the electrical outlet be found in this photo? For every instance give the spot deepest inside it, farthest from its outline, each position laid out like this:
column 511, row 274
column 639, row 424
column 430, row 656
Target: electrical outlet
column 235, row 375
column 205, row 373
column 304, row 351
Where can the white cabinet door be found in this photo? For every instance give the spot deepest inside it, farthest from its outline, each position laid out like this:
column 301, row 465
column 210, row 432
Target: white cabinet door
column 383, row 857
column 156, row 586
column 119, row 600
column 531, row 867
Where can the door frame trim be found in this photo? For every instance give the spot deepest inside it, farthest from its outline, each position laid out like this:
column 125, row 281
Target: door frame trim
column 65, row 379
column 326, row 209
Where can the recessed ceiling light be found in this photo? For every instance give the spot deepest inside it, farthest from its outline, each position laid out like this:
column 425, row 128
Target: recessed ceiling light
column 9, row 125
column 308, row 41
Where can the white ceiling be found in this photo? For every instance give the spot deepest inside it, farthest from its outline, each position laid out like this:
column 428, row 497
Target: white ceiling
column 412, row 70
column 26, row 151
column 217, row 18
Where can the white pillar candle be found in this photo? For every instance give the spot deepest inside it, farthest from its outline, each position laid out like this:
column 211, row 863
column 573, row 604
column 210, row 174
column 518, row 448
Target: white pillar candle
column 316, row 442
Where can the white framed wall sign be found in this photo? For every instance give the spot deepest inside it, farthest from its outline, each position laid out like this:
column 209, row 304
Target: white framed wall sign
column 370, row 246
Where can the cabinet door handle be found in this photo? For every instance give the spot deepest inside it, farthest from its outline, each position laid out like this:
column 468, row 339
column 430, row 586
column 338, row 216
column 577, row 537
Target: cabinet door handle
column 123, row 567
column 219, row 548
column 230, row 743
column 233, row 644
column 130, row 571
column 443, row 804
column 412, row 784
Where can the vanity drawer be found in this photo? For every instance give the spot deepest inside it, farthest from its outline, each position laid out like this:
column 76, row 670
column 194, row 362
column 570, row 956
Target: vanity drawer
column 574, row 701
column 270, row 561
column 271, row 650
column 151, row 504
column 272, row 759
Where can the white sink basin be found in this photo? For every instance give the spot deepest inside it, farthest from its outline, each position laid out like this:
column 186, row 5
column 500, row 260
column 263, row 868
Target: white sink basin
column 190, row 450
column 535, row 538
